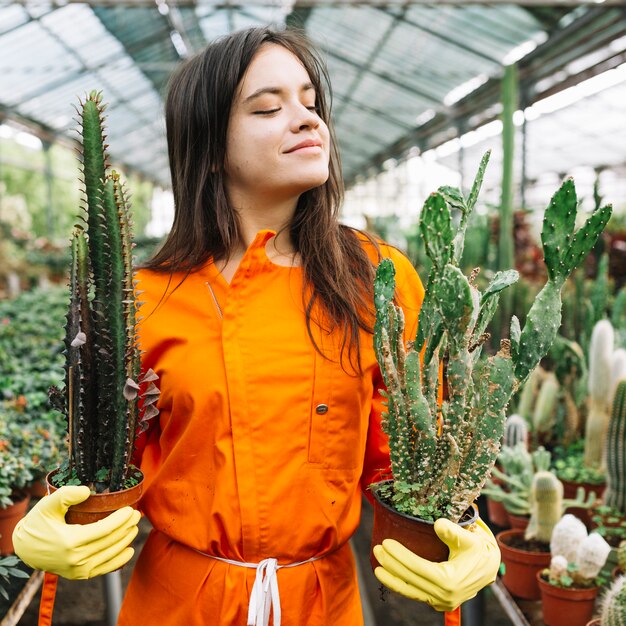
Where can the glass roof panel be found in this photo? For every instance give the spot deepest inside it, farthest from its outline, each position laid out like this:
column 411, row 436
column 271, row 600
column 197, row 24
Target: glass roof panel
column 12, row 16
column 32, row 60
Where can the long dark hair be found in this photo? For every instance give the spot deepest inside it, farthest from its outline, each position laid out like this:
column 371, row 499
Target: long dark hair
column 337, row 271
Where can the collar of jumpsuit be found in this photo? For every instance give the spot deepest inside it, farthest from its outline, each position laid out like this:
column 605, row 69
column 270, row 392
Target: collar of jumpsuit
column 260, row 450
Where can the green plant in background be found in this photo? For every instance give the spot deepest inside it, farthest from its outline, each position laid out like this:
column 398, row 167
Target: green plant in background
column 621, row 555
column 568, row 465
column 439, row 473
column 614, row 604
column 102, row 367
column 516, row 472
column 615, row 492
column 9, row 569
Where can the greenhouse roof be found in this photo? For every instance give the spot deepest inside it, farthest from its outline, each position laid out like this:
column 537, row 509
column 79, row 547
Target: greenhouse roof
column 404, row 75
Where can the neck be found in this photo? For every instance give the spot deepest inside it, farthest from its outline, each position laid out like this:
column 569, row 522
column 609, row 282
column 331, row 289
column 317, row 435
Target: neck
column 260, row 215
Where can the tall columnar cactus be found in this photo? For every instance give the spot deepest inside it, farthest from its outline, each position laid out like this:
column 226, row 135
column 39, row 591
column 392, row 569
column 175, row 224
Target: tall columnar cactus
column 544, row 414
column 615, row 493
column 600, row 356
column 621, row 555
column 546, row 503
column 614, row 604
column 441, row 469
column 102, row 351
column 515, row 431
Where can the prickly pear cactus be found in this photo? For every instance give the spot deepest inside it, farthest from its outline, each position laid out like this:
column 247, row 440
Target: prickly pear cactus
column 102, row 354
column 614, row 604
column 615, row 493
column 439, row 470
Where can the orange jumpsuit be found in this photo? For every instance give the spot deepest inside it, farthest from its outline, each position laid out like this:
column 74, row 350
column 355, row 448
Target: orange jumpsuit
column 260, row 449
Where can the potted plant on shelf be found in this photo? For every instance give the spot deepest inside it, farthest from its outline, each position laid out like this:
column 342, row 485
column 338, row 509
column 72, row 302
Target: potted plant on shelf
column 613, row 607
column 15, row 475
column 442, row 455
column 570, row 585
column 515, row 433
column 101, row 398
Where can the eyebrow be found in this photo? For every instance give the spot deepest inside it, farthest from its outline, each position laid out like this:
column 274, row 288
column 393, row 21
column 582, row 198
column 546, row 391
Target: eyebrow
column 274, row 90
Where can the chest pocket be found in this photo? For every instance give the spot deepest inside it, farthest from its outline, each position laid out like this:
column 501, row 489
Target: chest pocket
column 338, row 417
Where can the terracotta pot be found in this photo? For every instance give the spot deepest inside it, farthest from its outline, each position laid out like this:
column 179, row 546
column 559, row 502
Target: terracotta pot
column 97, row 506
column 417, row 535
column 521, row 566
column 569, row 491
column 38, row 488
column 497, row 513
column 518, row 522
column 9, row 517
column 566, row 607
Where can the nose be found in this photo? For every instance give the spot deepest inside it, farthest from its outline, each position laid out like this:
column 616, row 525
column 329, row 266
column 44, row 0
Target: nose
column 304, row 119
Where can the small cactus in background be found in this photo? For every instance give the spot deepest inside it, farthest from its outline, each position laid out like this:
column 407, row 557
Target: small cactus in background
column 439, row 471
column 515, row 431
column 102, row 371
column 584, row 555
column 567, row 536
column 614, row 604
column 544, row 414
column 621, row 555
column 600, row 355
column 546, row 506
column 615, row 493
column 529, row 392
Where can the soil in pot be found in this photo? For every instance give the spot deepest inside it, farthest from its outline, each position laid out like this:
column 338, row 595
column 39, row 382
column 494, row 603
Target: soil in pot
column 9, row 517
column 415, row 534
column 97, row 506
column 566, row 606
column 522, row 560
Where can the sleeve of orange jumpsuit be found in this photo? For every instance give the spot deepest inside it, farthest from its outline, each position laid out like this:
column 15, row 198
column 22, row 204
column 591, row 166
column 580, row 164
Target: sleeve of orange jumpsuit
column 410, row 294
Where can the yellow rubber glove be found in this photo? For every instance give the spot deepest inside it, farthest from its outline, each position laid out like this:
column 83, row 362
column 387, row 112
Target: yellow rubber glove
column 473, row 563
column 44, row 541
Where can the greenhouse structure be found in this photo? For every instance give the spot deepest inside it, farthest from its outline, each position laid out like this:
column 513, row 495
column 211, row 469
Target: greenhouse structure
column 362, row 258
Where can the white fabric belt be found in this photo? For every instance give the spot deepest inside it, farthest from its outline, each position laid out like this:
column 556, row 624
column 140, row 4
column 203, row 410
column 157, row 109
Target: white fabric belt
column 265, row 589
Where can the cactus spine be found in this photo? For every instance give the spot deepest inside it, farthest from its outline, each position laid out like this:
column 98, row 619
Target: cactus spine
column 102, row 353
column 614, row 604
column 445, row 468
column 615, row 493
column 546, row 503
column 515, row 431
column 600, row 355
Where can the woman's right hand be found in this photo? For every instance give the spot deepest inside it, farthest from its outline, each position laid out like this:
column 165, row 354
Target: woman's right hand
column 44, row 541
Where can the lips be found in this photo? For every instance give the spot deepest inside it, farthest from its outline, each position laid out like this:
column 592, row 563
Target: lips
column 308, row 143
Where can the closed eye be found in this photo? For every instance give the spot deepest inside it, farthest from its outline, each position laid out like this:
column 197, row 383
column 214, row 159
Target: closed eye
column 268, row 112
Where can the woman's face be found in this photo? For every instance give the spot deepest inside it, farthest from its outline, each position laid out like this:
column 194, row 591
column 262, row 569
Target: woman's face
column 276, row 144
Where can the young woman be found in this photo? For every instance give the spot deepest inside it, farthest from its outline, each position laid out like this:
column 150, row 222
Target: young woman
column 258, row 319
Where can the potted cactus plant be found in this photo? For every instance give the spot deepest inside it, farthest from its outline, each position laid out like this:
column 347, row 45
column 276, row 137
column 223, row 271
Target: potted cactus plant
column 442, row 455
column 613, row 605
column 103, row 375
column 609, row 518
column 570, row 585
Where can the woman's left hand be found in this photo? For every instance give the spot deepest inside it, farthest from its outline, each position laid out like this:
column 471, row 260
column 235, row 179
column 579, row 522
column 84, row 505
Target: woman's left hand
column 473, row 563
